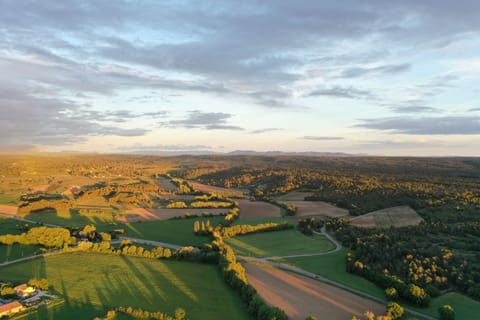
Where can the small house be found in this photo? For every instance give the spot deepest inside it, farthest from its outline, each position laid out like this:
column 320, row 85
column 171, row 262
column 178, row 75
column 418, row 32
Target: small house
column 11, row 308
column 24, row 290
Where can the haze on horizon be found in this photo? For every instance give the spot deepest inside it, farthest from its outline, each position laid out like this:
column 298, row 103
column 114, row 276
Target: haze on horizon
column 374, row 77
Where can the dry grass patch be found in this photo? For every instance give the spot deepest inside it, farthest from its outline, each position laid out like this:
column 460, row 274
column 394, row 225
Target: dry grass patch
column 165, row 184
column 8, row 210
column 401, row 216
column 300, row 297
column 207, row 189
column 258, row 209
column 295, row 195
column 316, row 208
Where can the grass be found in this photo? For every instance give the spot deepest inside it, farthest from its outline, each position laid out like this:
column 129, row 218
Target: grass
column 70, row 218
column 279, row 243
column 8, row 198
column 9, row 226
column 176, row 231
column 92, row 284
column 256, row 221
column 465, row 307
column 332, row 266
column 16, row 251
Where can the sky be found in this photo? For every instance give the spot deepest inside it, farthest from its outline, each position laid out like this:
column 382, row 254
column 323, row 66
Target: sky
column 396, row 78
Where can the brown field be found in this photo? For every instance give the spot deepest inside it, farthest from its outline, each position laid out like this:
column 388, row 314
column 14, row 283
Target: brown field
column 165, row 184
column 40, row 188
column 176, row 197
column 390, row 217
column 144, row 214
column 258, row 209
column 8, row 210
column 300, row 296
column 316, row 208
column 295, row 195
column 207, row 189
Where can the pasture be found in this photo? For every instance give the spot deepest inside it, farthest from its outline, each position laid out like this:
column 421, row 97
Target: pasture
column 177, row 231
column 332, row 266
column 166, row 184
column 16, row 251
column 279, row 243
column 401, row 216
column 300, row 297
column 258, row 209
column 294, row 195
column 91, row 284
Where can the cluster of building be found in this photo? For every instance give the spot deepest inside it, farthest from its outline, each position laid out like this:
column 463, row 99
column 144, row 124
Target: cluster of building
column 23, row 291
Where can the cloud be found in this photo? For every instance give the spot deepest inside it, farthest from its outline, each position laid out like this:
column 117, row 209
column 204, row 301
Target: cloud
column 474, row 110
column 379, row 70
column 413, row 109
column 321, row 138
column 204, row 120
column 258, row 131
column 447, row 125
column 30, row 119
column 165, row 147
column 341, row 92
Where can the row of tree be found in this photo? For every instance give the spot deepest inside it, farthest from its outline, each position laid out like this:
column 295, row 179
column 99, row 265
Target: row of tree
column 180, row 314
column 45, row 236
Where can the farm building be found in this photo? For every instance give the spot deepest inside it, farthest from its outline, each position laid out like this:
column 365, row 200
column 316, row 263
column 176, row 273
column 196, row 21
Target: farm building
column 10, row 308
column 24, row 290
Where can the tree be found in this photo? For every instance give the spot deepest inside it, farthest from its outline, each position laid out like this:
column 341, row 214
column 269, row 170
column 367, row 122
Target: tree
column 312, row 318
column 392, row 294
column 180, row 314
column 446, row 312
column 394, row 310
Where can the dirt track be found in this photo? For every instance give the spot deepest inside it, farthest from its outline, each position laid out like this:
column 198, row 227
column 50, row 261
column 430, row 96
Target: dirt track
column 258, row 209
column 300, row 297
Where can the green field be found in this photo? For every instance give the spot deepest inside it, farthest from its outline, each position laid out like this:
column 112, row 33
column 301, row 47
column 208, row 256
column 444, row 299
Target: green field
column 465, row 307
column 8, row 198
column 279, row 243
column 9, row 226
column 176, row 231
column 256, row 221
column 332, row 266
column 91, row 284
column 16, row 251
column 71, row 218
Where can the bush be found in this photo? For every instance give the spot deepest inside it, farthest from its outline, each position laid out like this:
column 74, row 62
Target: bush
column 391, row 293
column 446, row 312
column 394, row 310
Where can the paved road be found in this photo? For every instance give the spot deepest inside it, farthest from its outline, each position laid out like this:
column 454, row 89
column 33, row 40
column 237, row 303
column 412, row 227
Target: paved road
column 4, row 215
column 3, row 264
column 152, row 243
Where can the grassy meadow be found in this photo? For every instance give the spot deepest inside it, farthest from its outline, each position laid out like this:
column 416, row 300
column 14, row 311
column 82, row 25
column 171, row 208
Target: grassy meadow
column 279, row 243
column 92, row 284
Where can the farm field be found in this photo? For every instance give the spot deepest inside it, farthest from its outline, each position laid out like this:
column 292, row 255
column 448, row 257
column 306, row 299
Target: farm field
column 72, row 218
column 9, row 226
column 177, row 231
column 92, row 284
column 332, row 266
column 316, row 208
column 145, row 214
column 258, row 209
column 16, row 251
column 165, row 184
column 400, row 216
column 295, row 195
column 207, row 189
column 279, row 243
column 300, row 296
column 8, row 210
column 465, row 307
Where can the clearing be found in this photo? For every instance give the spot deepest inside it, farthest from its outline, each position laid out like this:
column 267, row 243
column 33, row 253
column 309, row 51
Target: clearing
column 401, row 216
column 258, row 209
column 146, row 214
column 300, row 297
column 316, row 208
column 166, row 184
column 279, row 243
column 92, row 283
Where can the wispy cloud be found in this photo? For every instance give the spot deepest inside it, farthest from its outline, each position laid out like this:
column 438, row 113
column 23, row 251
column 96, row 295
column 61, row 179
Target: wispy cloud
column 204, row 120
column 321, row 138
column 447, row 125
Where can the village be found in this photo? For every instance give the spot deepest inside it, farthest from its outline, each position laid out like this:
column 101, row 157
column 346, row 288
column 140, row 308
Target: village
column 24, row 297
